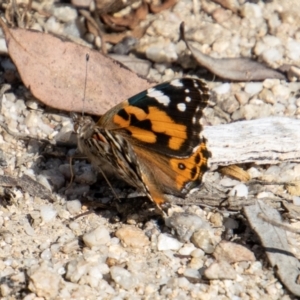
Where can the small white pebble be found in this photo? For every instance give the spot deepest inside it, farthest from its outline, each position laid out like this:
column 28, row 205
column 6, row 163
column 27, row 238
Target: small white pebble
column 123, row 277
column 46, row 254
column 187, row 249
column 296, row 200
column 74, row 206
column 97, row 237
column 166, row 242
column 240, row 190
column 222, row 89
column 48, row 213
column 253, row 88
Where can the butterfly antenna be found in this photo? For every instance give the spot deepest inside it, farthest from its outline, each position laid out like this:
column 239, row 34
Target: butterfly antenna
column 107, row 181
column 87, row 57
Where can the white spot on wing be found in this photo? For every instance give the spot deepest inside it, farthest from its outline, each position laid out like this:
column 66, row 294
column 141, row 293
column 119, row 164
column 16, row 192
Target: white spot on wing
column 188, row 99
column 159, row 96
column 186, row 90
column 176, row 82
column 181, row 106
column 194, row 120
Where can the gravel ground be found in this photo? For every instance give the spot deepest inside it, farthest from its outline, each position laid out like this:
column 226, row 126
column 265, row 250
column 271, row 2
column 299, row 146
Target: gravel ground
column 127, row 251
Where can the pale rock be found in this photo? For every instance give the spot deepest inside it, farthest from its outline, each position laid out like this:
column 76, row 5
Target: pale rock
column 221, row 15
column 187, row 249
column 48, row 213
column 254, row 172
column 196, row 263
column 222, row 89
column 44, row 282
column 297, row 171
column 46, row 254
column 198, row 253
column 260, row 47
column 166, row 242
column 273, row 57
column 65, row 13
column 45, row 128
column 165, row 28
column 97, row 237
column 253, row 88
column 228, row 182
column 132, row 237
column 117, row 252
column 70, row 246
column 192, row 273
column 242, row 97
column 73, row 206
column 296, row 200
column 3, row 47
column 74, row 226
column 205, row 240
column 251, row 11
column 76, row 269
column 291, row 110
column 232, row 252
column 255, row 268
column 184, row 283
column 269, row 83
column 220, row 45
column 220, row 270
column 53, row 26
column 216, row 219
column 281, row 92
column 229, row 105
column 123, row 277
column 293, row 73
column 32, row 104
column 239, row 190
column 185, row 224
column 267, row 96
column 279, row 109
column 160, row 54
column 293, row 50
column 207, row 33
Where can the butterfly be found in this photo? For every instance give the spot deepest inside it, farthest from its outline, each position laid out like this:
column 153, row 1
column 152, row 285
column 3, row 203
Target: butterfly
column 153, row 140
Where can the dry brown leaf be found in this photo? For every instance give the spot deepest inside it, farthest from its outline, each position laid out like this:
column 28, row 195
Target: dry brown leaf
column 137, row 65
column 165, row 5
column 55, row 72
column 235, row 172
column 236, row 69
column 115, row 38
column 112, row 6
column 129, row 21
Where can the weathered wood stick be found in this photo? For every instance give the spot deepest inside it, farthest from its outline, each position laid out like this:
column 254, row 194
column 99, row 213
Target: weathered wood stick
column 263, row 141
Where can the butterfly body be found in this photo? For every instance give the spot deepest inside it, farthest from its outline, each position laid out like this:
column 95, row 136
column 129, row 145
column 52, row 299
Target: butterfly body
column 152, row 140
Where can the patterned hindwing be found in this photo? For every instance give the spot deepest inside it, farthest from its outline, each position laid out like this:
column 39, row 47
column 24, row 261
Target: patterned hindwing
column 163, row 125
column 154, row 139
column 166, row 118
